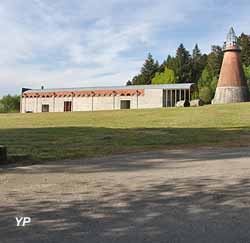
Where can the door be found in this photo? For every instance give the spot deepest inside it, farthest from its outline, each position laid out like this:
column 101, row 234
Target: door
column 125, row 104
column 45, row 108
column 67, row 106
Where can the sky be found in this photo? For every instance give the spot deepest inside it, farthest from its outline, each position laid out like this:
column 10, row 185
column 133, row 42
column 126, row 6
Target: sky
column 79, row 43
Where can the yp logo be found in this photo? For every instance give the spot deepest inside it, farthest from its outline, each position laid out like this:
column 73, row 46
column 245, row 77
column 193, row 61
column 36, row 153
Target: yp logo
column 23, row 221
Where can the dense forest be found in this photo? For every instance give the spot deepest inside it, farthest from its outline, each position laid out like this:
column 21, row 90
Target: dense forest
column 198, row 68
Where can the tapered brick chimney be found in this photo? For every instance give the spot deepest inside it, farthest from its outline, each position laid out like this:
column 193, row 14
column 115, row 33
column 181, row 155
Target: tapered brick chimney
column 232, row 87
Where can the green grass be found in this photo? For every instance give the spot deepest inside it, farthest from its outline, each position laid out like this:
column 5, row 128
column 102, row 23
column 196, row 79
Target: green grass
column 86, row 134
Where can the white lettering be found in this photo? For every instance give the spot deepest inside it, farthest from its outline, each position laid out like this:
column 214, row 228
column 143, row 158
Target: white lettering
column 18, row 221
column 26, row 220
column 23, row 220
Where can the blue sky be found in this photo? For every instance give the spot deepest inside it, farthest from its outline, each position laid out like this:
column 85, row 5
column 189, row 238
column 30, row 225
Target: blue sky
column 64, row 43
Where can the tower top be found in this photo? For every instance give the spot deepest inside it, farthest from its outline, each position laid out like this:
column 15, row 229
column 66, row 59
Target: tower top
column 231, row 42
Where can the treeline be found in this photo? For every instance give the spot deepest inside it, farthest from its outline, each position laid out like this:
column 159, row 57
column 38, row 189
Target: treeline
column 198, row 68
column 10, row 104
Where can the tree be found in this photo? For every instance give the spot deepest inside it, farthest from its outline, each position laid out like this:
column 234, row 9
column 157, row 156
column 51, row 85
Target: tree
column 196, row 52
column 198, row 64
column 167, row 77
column 246, row 71
column 206, row 78
column 171, row 63
column 244, row 41
column 129, row 83
column 10, row 103
column 149, row 69
column 210, row 73
column 138, row 80
column 214, row 61
column 247, row 75
column 213, row 85
column 205, row 94
column 1, row 107
column 183, row 65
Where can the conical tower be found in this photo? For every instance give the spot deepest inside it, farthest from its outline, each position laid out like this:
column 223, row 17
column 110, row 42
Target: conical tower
column 232, row 87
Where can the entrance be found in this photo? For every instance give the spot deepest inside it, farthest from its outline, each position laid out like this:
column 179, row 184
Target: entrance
column 67, row 106
column 125, row 104
column 45, row 108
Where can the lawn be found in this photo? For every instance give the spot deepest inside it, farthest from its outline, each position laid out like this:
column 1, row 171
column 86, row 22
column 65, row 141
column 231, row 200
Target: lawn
column 50, row 136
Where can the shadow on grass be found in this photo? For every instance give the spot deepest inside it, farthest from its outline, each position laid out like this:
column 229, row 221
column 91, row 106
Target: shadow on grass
column 184, row 210
column 44, row 144
column 143, row 161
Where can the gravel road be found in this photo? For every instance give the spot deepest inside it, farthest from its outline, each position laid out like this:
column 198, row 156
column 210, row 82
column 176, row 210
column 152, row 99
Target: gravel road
column 200, row 195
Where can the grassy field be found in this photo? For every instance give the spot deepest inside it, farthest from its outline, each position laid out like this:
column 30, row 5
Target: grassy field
column 86, row 134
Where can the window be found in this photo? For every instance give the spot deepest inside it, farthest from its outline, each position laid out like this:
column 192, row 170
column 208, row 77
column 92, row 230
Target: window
column 45, row 108
column 125, row 104
column 67, row 106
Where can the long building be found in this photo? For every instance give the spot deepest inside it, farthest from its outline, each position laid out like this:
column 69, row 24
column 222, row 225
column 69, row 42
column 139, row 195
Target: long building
column 104, row 98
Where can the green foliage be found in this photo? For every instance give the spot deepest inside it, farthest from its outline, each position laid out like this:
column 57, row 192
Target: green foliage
column 214, row 61
column 138, row 80
column 148, row 71
column 198, row 64
column 183, row 65
column 213, row 85
column 244, row 41
column 166, row 77
column 1, row 107
column 206, row 94
column 10, row 104
column 205, row 78
column 210, row 74
column 171, row 63
column 247, row 75
column 247, row 71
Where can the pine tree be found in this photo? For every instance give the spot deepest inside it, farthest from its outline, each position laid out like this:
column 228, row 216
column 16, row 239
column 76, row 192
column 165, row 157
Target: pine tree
column 214, row 61
column 129, row 83
column 183, row 65
column 198, row 64
column 196, row 53
column 138, row 80
column 244, row 41
column 171, row 63
column 149, row 69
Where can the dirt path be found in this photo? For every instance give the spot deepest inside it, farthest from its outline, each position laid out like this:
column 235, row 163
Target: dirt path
column 167, row 196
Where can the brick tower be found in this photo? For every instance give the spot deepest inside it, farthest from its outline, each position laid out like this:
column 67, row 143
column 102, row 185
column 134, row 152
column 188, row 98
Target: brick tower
column 232, row 87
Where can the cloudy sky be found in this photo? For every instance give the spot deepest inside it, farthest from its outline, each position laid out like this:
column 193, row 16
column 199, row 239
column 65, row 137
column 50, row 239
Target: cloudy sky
column 64, row 43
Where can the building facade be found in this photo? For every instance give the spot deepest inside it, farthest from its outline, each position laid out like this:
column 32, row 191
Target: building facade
column 104, row 98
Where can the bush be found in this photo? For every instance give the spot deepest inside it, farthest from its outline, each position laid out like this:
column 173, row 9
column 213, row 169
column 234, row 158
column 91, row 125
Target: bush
column 10, row 104
column 206, row 95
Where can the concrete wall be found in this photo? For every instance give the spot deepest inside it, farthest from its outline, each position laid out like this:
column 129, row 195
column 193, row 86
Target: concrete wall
column 152, row 98
column 226, row 95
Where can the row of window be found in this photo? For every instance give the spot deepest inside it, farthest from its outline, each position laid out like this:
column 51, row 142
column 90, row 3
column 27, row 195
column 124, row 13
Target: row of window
column 67, row 107
column 125, row 104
